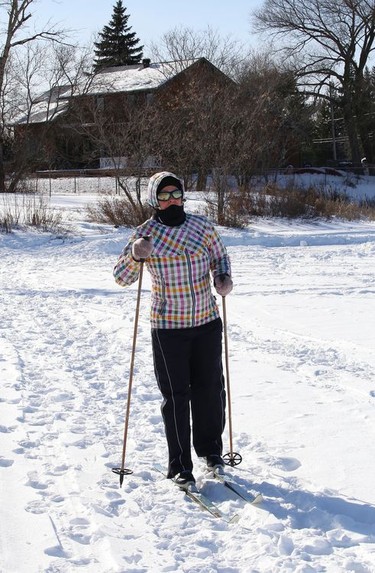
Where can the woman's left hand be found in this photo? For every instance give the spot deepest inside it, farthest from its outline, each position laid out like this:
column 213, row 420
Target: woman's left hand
column 223, row 284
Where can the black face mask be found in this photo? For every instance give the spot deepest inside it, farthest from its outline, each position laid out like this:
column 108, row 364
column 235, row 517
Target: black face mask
column 172, row 216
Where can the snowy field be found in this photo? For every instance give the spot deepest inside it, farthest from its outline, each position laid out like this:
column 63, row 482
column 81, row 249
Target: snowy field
column 302, row 338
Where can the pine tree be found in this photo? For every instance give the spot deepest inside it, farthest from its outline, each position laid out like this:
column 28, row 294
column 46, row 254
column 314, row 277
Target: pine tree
column 118, row 46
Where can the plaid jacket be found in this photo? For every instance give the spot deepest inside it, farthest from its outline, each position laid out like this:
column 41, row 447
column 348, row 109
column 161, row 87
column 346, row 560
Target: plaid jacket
column 180, row 267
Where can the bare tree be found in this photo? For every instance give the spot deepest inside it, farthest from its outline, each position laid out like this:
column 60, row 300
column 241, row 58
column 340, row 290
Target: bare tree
column 121, row 129
column 59, row 70
column 183, row 43
column 332, row 41
column 260, row 124
column 231, row 131
column 275, row 118
column 16, row 33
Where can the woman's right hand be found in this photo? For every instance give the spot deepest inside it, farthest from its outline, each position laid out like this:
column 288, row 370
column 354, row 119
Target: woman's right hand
column 142, row 248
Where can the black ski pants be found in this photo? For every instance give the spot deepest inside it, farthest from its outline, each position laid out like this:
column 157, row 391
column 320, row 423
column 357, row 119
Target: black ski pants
column 189, row 373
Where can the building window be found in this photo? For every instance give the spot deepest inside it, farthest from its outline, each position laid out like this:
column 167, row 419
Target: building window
column 100, row 103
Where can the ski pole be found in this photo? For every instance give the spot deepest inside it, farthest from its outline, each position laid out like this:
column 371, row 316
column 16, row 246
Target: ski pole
column 122, row 471
column 232, row 458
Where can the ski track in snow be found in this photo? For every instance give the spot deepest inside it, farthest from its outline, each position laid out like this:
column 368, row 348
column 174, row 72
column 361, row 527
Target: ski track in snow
column 303, row 392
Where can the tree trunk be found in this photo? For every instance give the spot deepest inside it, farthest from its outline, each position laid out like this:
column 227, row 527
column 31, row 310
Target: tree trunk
column 2, row 170
column 202, row 180
column 353, row 134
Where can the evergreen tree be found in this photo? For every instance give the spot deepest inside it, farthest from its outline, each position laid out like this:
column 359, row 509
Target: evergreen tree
column 118, row 46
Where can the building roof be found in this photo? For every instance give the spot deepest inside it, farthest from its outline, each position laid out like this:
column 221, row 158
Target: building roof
column 145, row 76
column 46, row 106
column 141, row 77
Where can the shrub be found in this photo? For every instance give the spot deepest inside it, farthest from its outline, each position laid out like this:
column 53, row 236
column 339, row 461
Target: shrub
column 291, row 202
column 233, row 212
column 238, row 205
column 367, row 203
column 118, row 211
column 312, row 202
column 19, row 210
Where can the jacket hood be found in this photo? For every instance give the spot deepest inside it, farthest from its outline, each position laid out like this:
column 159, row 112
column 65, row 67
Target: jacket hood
column 154, row 183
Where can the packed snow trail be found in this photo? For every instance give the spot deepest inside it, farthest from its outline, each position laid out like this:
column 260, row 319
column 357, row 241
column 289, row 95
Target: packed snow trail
column 301, row 342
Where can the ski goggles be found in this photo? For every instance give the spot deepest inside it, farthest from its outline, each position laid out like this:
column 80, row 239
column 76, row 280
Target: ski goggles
column 167, row 195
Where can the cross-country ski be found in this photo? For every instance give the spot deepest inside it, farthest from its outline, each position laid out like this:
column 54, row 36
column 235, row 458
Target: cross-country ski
column 191, row 490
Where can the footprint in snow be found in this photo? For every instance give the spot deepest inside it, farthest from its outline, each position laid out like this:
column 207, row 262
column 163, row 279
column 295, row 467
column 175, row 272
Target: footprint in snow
column 34, row 481
column 6, row 429
column 77, row 530
column 286, row 464
column 36, row 507
column 5, row 463
column 58, row 470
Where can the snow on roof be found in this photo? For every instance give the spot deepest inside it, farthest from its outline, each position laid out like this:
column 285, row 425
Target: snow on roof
column 139, row 77
column 46, row 106
column 43, row 112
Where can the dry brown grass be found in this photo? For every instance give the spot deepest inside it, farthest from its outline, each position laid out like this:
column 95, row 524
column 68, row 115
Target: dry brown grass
column 291, row 203
column 28, row 210
column 118, row 211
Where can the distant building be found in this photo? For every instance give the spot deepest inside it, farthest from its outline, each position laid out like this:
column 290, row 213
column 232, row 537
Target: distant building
column 74, row 121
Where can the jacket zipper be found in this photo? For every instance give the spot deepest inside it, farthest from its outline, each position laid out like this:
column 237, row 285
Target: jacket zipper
column 193, row 298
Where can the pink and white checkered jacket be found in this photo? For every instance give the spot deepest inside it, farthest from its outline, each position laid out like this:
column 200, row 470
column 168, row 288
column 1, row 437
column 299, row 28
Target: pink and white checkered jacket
column 180, row 267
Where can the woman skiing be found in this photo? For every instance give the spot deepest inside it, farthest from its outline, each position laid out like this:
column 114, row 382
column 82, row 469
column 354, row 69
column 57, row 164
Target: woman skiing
column 180, row 251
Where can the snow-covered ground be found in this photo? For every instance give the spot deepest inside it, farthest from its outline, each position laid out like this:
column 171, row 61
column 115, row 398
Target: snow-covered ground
column 301, row 337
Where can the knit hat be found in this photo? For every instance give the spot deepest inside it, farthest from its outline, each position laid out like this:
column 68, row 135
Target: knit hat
column 169, row 180
column 160, row 180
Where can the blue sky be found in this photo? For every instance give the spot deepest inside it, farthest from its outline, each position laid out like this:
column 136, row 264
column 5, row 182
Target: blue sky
column 150, row 19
